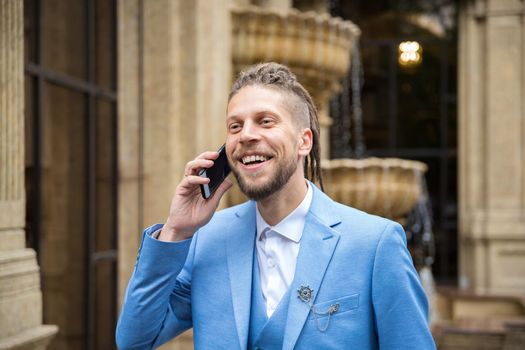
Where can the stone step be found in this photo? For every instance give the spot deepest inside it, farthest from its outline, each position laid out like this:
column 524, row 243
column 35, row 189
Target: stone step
column 455, row 304
column 484, row 334
column 460, row 339
column 36, row 338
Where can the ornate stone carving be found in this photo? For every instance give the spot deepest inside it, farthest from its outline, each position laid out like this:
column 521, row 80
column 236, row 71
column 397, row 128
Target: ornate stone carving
column 389, row 187
column 316, row 47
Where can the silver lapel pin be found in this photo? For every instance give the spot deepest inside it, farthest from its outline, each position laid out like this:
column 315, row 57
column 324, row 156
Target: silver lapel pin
column 306, row 294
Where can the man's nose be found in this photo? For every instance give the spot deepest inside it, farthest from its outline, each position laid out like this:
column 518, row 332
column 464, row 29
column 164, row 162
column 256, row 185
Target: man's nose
column 249, row 132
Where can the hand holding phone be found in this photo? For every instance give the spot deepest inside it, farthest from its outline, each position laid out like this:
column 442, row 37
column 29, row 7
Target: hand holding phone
column 217, row 173
column 189, row 210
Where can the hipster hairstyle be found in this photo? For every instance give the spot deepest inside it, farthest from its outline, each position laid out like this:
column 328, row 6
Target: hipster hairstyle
column 280, row 77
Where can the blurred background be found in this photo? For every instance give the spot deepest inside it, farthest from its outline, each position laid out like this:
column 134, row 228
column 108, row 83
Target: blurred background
column 102, row 102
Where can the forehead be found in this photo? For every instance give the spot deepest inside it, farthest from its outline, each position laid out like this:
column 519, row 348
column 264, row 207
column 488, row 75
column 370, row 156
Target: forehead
column 255, row 99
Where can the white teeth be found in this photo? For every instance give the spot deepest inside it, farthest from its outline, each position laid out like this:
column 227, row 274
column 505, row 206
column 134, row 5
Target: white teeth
column 251, row 159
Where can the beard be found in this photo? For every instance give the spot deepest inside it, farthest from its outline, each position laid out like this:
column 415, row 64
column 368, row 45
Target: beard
column 275, row 183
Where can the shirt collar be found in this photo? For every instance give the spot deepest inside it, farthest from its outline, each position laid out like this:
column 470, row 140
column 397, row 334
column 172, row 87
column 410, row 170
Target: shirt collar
column 292, row 225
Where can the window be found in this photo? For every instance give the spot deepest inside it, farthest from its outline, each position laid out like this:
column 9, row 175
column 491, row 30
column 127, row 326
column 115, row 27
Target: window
column 71, row 165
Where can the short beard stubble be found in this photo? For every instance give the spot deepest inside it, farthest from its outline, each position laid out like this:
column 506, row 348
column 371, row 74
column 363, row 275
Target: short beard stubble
column 280, row 178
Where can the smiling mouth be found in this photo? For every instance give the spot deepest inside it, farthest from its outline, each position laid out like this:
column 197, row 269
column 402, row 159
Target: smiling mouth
column 254, row 159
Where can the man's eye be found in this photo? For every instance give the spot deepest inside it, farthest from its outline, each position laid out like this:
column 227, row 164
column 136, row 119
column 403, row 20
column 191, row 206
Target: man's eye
column 266, row 121
column 235, row 127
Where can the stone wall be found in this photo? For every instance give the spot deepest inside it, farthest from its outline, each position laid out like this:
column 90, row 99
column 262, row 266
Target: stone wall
column 492, row 146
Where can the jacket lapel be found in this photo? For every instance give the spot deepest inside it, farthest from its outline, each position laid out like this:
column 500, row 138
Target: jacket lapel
column 318, row 243
column 240, row 250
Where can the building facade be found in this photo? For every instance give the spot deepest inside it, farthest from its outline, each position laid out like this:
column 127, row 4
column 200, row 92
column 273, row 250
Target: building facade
column 95, row 132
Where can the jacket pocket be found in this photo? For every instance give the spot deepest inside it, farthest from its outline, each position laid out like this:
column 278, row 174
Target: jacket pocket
column 341, row 305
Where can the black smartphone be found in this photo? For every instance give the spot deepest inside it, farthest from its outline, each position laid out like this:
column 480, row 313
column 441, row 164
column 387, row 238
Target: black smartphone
column 217, row 173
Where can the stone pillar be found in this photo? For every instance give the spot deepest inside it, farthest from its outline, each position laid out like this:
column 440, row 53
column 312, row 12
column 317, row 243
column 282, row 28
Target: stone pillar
column 492, row 146
column 174, row 78
column 20, row 296
column 130, row 220
column 187, row 75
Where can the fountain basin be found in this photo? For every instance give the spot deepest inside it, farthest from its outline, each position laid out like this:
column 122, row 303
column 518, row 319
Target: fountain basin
column 388, row 187
column 315, row 46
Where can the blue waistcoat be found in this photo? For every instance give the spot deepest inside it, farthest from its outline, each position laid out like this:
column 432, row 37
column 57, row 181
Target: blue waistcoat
column 265, row 333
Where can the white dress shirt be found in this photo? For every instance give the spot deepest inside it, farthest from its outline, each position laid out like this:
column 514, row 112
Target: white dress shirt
column 277, row 250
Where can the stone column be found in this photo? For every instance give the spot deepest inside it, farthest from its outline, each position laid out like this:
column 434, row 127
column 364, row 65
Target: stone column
column 174, row 78
column 492, row 146
column 130, row 220
column 187, row 75
column 20, row 296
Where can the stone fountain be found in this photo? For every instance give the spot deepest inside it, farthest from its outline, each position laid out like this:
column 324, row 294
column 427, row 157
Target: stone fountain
column 318, row 49
column 389, row 187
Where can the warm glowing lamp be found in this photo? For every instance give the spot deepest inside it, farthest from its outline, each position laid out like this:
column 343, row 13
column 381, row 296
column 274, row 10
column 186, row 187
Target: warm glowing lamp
column 410, row 53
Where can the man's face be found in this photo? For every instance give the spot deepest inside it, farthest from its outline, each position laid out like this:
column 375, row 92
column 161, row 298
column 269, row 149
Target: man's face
column 263, row 144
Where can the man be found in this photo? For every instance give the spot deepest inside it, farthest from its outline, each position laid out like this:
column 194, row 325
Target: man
column 290, row 269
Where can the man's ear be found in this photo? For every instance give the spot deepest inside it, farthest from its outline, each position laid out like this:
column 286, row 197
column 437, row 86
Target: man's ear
column 305, row 142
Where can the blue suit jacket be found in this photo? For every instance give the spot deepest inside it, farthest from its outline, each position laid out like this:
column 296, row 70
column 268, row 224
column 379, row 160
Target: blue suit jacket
column 348, row 257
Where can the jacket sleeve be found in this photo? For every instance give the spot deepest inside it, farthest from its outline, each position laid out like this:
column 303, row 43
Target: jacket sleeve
column 157, row 304
column 399, row 301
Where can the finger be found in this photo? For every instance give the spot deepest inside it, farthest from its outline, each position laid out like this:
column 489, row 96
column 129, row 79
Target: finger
column 192, row 167
column 196, row 180
column 221, row 190
column 208, row 155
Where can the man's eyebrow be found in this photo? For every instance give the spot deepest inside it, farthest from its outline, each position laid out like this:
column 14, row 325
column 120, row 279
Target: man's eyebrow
column 231, row 117
column 262, row 112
